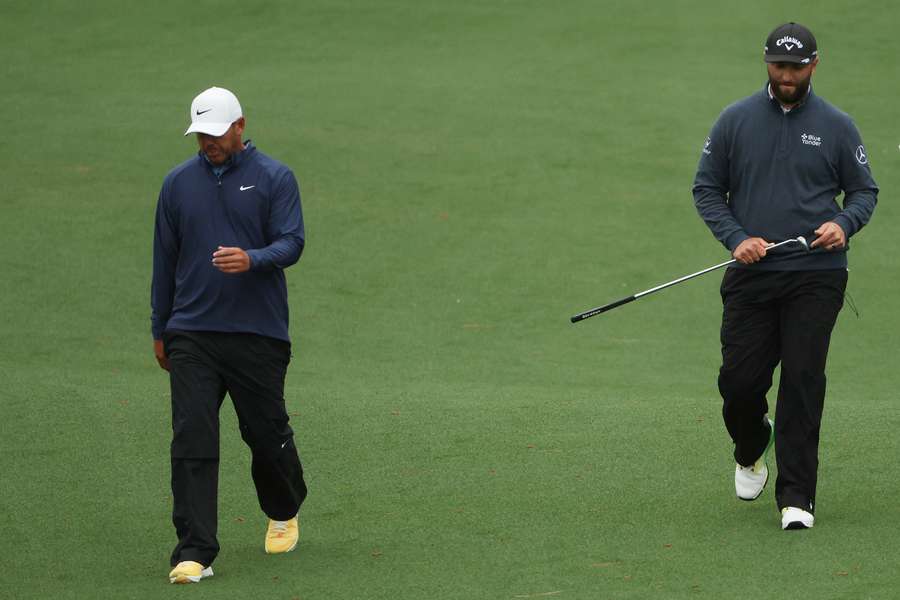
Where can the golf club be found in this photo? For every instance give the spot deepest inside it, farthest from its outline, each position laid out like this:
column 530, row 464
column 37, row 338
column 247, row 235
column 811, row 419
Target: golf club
column 602, row 309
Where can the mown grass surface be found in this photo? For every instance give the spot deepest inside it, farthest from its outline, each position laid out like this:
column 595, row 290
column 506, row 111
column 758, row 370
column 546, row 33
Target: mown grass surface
column 472, row 174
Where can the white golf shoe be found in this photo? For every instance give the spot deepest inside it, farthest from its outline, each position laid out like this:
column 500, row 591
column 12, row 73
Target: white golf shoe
column 749, row 482
column 796, row 518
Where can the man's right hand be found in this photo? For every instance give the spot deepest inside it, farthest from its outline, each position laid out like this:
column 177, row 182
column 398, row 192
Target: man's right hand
column 750, row 250
column 160, row 353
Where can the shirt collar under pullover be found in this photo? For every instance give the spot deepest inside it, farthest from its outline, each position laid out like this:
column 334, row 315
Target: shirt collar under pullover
column 233, row 160
column 785, row 109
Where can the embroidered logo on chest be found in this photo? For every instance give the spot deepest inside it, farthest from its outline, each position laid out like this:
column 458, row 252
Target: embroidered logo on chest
column 810, row 139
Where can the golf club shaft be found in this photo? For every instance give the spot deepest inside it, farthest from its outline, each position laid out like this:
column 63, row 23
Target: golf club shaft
column 602, row 309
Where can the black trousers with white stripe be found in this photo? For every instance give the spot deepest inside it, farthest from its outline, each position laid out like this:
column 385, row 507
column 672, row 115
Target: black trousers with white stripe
column 771, row 317
column 203, row 366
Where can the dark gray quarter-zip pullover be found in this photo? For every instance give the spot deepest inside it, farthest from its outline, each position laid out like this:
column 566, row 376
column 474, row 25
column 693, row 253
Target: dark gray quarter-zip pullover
column 768, row 173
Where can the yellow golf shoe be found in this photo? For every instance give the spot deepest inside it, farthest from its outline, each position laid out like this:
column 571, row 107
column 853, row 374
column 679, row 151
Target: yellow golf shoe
column 188, row 571
column 282, row 536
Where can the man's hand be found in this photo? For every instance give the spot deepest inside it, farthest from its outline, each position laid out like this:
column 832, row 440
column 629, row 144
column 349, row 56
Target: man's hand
column 830, row 236
column 160, row 353
column 231, row 260
column 750, row 250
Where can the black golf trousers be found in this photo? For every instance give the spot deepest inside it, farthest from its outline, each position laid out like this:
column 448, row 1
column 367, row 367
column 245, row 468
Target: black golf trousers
column 771, row 317
column 203, row 366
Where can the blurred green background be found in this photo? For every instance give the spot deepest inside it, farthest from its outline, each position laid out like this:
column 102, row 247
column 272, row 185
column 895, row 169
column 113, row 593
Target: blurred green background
column 473, row 173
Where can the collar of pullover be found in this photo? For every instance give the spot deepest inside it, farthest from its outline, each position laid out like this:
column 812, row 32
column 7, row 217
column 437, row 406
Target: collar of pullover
column 233, row 161
column 799, row 105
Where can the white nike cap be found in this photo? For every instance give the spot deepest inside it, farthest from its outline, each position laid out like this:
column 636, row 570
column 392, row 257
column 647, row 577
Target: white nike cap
column 213, row 111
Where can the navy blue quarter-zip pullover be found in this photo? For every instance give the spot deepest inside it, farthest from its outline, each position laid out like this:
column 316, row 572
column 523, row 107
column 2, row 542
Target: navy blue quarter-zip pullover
column 773, row 174
column 254, row 204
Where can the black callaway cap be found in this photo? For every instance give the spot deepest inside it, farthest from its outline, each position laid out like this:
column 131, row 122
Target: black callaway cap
column 791, row 42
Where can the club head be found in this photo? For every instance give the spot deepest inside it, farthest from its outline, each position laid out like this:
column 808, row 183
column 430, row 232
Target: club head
column 802, row 241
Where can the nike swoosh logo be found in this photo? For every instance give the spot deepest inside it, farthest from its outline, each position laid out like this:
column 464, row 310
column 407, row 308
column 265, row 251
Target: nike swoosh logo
column 249, row 187
column 283, row 445
column 200, row 112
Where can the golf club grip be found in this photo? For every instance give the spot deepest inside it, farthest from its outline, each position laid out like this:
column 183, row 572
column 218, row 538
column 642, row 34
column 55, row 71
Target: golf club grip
column 601, row 309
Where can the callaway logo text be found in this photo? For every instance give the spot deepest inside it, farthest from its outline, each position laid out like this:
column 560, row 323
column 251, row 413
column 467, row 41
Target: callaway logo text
column 790, row 46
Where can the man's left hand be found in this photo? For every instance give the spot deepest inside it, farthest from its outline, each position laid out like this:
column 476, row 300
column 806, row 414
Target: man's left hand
column 830, row 236
column 231, row 260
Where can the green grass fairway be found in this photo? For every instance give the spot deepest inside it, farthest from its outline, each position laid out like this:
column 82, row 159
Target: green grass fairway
column 473, row 174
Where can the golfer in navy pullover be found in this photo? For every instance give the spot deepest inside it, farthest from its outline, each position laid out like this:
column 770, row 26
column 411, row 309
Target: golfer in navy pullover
column 253, row 203
column 228, row 222
column 772, row 169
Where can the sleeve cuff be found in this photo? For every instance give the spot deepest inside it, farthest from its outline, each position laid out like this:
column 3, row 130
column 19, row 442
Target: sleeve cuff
column 734, row 240
column 256, row 260
column 846, row 224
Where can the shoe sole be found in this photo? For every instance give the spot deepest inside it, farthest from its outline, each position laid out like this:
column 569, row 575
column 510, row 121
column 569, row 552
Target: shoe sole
column 182, row 579
column 283, row 551
column 794, row 526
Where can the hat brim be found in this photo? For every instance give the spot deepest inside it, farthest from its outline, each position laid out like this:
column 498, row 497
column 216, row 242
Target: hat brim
column 213, row 129
column 774, row 58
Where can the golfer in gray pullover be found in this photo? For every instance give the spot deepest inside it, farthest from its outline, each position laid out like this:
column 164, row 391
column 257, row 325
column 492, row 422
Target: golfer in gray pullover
column 772, row 169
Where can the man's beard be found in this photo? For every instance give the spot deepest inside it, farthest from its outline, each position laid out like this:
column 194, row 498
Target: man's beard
column 793, row 97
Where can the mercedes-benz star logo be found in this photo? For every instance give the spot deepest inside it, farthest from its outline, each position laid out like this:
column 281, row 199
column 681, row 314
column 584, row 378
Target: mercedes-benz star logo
column 861, row 156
